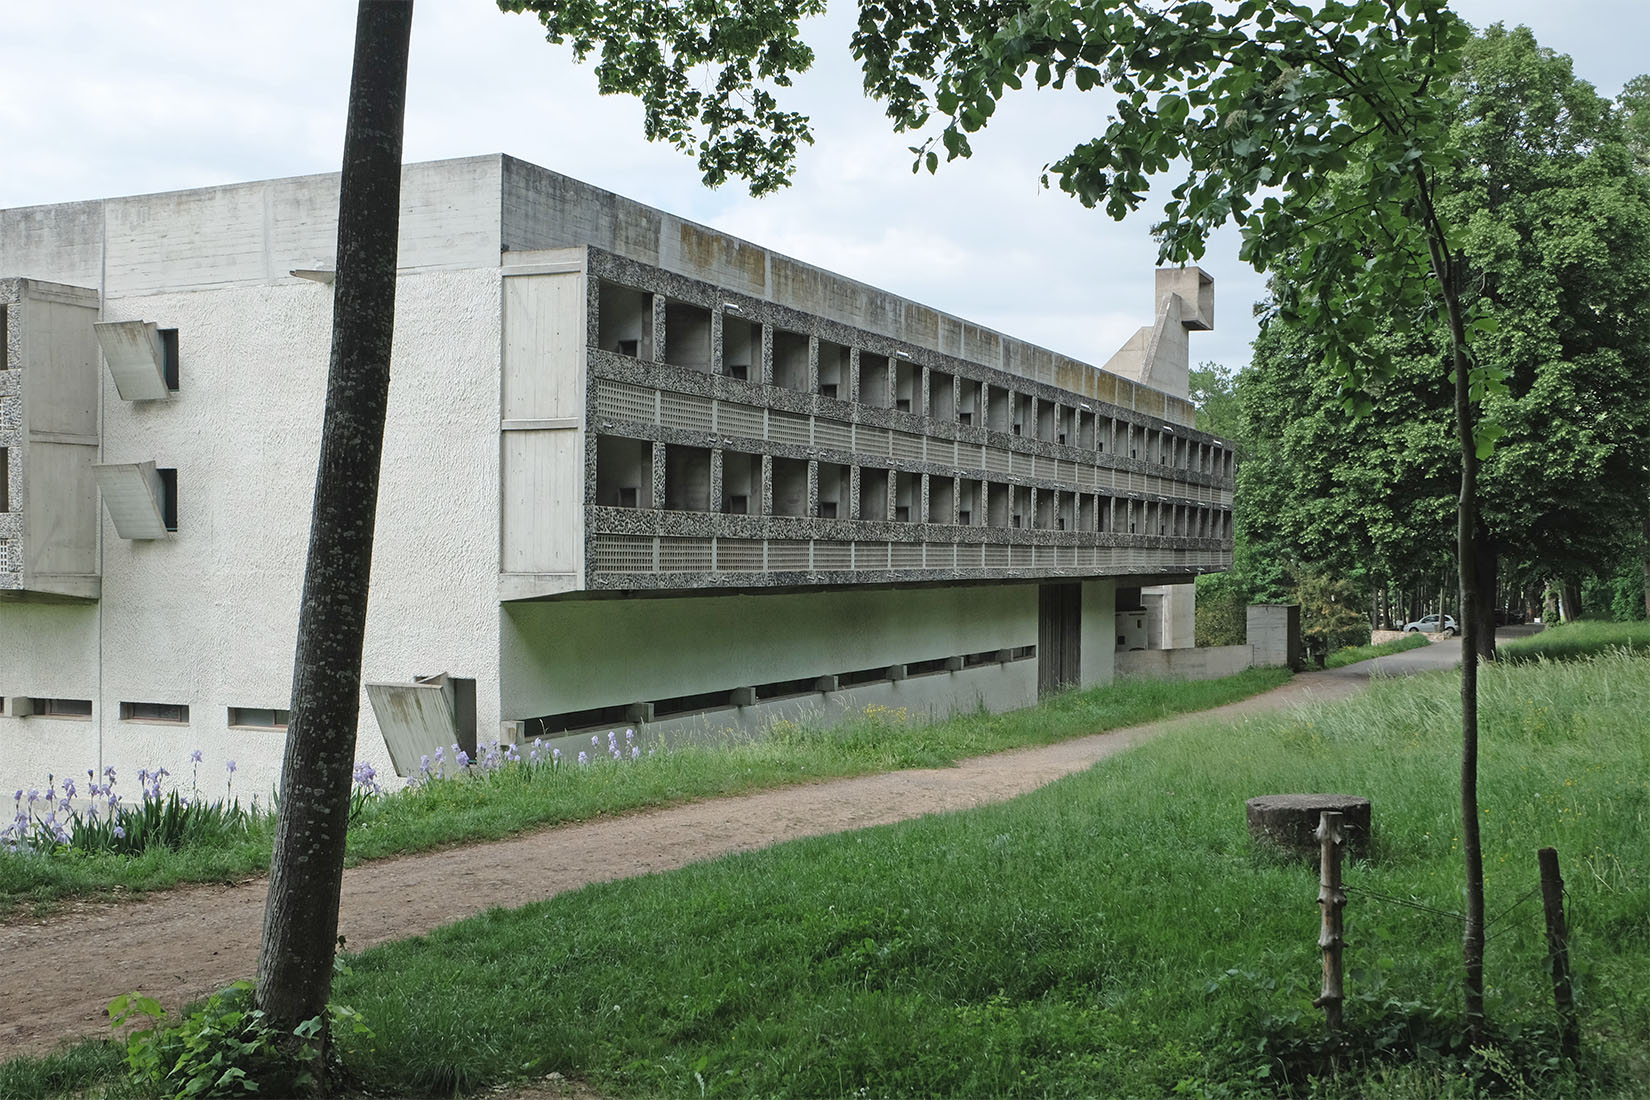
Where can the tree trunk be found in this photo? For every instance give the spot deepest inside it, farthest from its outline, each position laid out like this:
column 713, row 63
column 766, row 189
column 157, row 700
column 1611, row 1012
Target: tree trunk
column 1483, row 604
column 306, row 872
column 1571, row 599
column 1646, row 565
column 1468, row 555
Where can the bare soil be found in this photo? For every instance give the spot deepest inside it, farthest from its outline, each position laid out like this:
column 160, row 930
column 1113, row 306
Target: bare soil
column 61, row 971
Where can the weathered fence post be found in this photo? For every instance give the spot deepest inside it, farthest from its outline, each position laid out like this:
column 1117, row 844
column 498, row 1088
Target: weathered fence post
column 1331, row 899
column 1558, row 951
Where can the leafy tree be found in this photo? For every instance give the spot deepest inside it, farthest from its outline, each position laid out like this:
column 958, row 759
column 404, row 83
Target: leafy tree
column 1263, row 105
column 1556, row 241
column 1214, row 392
column 1332, row 616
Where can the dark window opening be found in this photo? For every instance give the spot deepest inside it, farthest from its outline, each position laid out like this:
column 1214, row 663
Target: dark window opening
column 863, row 676
column 5, row 479
column 155, row 712
column 169, row 357
column 168, row 497
column 1022, row 653
column 259, row 717
column 573, row 720
column 692, row 704
column 781, row 688
column 63, row 708
column 927, row 668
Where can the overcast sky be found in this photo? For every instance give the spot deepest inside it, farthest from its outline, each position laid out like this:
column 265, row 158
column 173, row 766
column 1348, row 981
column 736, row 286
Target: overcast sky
column 101, row 98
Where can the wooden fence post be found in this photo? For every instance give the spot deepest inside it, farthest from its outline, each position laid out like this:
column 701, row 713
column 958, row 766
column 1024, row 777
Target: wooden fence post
column 1331, row 899
column 1558, row 951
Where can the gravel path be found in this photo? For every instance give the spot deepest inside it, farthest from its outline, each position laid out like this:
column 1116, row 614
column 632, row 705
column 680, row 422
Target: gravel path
column 178, row 945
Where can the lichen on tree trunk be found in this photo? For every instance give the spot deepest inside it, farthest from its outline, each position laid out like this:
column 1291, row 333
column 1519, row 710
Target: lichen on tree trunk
column 306, row 870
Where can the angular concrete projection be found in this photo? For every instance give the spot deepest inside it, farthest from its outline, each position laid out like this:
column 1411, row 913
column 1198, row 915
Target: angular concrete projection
column 417, row 719
column 135, row 357
column 132, row 492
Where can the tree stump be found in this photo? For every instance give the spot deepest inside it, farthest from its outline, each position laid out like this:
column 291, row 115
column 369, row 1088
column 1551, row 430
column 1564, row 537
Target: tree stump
column 1290, row 821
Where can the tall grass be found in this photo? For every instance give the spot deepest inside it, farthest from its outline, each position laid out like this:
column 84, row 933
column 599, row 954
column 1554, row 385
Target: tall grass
column 1115, row 934
column 1571, row 641
column 484, row 804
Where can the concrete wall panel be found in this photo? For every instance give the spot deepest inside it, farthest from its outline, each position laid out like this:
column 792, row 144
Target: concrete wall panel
column 575, row 655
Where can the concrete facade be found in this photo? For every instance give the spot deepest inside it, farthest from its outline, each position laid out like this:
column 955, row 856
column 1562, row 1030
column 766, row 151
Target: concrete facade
column 637, row 472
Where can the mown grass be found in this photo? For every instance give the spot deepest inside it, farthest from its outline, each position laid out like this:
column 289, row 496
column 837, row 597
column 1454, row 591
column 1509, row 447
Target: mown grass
column 1573, row 641
column 497, row 804
column 1115, row 934
column 1352, row 654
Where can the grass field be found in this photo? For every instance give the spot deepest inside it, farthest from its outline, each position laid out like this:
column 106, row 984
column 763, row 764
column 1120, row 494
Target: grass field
column 1570, row 641
column 1114, row 934
column 485, row 806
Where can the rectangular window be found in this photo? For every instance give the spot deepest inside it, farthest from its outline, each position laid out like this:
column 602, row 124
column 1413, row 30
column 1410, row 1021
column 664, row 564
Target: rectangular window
column 63, row 708
column 5, row 480
column 259, row 718
column 5, row 360
column 168, row 497
column 169, row 358
column 177, row 713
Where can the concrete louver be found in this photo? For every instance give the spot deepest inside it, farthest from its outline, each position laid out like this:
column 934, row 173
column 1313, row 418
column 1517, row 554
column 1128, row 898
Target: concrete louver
column 136, row 358
column 133, row 494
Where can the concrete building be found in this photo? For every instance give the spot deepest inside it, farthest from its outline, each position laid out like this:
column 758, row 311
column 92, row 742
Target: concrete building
column 637, row 472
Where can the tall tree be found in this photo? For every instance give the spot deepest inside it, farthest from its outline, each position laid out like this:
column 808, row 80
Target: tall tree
column 306, row 870
column 1262, row 104
column 655, row 52
column 1556, row 241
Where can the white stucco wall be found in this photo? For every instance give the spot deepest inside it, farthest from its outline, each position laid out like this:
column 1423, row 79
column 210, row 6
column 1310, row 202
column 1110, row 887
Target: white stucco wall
column 208, row 617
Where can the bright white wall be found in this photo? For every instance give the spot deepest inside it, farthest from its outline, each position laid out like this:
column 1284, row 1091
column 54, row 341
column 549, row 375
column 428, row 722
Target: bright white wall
column 209, row 616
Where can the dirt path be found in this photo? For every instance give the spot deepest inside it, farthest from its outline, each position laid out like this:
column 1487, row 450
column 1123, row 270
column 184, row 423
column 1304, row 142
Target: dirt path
column 60, row 972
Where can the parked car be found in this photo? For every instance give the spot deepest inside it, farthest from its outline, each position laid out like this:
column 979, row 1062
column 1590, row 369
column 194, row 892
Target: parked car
column 1428, row 624
column 1509, row 616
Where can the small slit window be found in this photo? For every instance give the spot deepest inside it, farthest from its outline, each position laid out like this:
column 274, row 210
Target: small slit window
column 62, row 708
column 173, row 713
column 259, row 718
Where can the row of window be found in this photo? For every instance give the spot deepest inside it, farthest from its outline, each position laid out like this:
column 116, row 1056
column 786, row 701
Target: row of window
column 808, row 364
column 162, row 713
column 624, row 479
column 551, row 725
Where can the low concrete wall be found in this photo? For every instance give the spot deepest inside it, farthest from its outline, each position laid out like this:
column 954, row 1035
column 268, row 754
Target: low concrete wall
column 1185, row 664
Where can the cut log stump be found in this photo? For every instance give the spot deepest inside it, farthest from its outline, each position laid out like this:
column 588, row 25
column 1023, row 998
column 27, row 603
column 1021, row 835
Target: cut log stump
column 1289, row 821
